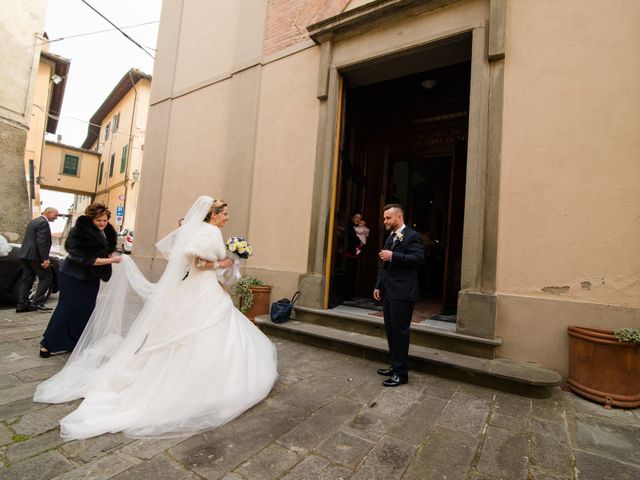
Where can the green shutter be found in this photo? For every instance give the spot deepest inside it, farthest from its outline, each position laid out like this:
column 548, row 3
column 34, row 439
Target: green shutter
column 70, row 166
column 113, row 160
column 100, row 172
column 123, row 160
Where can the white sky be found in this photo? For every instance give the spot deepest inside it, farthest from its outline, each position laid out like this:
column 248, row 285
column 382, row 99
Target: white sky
column 97, row 62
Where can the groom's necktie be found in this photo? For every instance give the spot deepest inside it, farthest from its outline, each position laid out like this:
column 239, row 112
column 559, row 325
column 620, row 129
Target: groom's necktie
column 389, row 241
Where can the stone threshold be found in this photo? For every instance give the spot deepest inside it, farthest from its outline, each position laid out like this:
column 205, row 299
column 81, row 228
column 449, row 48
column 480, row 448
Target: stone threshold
column 501, row 368
column 353, row 314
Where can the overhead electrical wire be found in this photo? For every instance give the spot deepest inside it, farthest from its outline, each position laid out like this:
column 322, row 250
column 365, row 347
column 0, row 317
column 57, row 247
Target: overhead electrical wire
column 67, row 37
column 117, row 28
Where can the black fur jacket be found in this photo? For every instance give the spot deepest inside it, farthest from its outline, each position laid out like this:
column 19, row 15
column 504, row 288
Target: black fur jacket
column 84, row 244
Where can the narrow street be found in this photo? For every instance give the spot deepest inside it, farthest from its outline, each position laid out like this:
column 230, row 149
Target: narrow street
column 327, row 418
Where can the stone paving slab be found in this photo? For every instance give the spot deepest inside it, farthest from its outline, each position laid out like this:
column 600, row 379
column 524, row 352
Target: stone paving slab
column 345, row 449
column 327, row 418
column 504, row 454
column 268, row 464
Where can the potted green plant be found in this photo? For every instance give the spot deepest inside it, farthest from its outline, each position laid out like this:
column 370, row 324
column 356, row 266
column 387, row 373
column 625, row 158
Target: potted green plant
column 628, row 335
column 253, row 297
column 604, row 365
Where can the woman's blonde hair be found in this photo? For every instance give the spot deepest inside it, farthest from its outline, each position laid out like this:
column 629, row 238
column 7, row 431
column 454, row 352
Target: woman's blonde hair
column 217, row 206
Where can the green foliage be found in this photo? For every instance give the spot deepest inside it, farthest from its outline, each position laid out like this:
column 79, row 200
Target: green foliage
column 628, row 335
column 244, row 292
column 17, row 438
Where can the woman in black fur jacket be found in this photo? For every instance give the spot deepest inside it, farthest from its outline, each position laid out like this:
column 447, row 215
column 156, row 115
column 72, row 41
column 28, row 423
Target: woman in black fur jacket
column 90, row 248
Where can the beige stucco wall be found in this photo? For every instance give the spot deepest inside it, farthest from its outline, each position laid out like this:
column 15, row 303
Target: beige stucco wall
column 195, row 151
column 570, row 199
column 22, row 20
column 52, row 167
column 568, row 203
column 219, row 128
column 284, row 161
column 236, row 38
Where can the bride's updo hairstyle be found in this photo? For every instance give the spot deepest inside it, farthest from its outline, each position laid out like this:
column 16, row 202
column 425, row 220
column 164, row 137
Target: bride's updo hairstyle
column 217, row 206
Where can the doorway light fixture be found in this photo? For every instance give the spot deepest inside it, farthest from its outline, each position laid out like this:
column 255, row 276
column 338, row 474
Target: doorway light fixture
column 56, row 79
column 429, row 83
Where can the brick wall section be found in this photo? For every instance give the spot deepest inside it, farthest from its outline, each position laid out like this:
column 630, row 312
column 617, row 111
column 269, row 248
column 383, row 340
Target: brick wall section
column 287, row 20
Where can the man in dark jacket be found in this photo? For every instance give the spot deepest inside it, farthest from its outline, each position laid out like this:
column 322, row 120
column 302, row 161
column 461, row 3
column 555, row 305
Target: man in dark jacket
column 397, row 286
column 35, row 261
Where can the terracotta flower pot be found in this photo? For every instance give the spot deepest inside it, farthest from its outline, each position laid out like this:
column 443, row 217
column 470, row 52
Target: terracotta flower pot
column 603, row 369
column 261, row 301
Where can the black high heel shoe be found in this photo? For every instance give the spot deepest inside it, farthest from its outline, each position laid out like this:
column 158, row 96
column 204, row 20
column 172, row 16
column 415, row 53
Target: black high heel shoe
column 44, row 352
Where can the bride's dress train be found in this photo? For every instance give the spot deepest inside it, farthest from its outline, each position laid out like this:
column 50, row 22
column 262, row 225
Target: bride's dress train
column 188, row 362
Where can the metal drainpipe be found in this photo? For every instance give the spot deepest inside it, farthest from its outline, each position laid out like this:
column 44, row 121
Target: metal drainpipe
column 95, row 190
column 129, row 150
column 106, row 177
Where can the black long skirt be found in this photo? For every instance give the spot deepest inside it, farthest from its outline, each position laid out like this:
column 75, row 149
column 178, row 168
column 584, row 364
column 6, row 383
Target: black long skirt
column 75, row 306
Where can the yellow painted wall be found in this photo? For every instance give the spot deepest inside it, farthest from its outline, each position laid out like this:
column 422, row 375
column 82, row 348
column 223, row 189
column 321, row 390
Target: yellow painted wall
column 35, row 136
column 131, row 129
column 51, row 171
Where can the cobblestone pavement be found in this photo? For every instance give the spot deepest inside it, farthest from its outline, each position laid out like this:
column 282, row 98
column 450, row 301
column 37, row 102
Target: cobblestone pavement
column 327, row 418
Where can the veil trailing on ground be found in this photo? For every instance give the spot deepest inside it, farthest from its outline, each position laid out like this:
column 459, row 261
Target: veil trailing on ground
column 127, row 308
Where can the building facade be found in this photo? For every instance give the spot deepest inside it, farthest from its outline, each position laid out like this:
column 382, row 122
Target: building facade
column 69, row 169
column 117, row 131
column 507, row 129
column 49, row 91
column 22, row 38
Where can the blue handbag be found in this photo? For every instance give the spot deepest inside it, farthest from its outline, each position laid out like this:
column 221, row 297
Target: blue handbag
column 281, row 310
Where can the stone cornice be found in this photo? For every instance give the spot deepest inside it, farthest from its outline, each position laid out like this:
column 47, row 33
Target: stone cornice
column 369, row 14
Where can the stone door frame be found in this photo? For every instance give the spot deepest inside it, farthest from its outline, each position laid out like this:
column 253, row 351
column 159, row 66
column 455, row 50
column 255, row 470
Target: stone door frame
column 477, row 298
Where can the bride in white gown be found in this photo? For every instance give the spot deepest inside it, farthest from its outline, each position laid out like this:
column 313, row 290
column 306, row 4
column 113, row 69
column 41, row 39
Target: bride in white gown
column 164, row 359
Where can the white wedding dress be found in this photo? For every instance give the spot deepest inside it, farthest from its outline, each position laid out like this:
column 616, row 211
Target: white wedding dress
column 166, row 359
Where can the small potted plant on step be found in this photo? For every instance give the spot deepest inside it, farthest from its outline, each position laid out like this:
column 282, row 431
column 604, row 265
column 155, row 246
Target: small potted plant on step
column 604, row 365
column 254, row 297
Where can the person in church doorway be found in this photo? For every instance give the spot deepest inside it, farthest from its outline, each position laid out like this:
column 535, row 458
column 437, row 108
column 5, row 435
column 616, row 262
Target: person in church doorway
column 357, row 234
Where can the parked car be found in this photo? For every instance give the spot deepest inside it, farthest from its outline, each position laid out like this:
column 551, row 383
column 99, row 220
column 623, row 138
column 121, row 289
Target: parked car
column 11, row 271
column 120, row 241
column 127, row 245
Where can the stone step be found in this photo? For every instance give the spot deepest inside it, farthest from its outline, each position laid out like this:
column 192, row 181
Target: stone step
column 442, row 337
column 420, row 356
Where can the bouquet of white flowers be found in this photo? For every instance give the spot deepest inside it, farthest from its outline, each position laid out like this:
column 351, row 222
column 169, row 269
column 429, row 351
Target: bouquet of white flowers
column 240, row 247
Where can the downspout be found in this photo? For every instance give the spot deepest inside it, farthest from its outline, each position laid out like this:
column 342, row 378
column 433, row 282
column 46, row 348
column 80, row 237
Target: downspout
column 129, row 149
column 95, row 190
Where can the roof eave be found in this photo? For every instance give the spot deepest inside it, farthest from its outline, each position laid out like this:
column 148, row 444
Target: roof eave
column 61, row 69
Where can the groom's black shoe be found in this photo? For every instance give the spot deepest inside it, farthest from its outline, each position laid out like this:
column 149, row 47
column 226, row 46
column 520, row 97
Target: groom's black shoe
column 387, row 372
column 396, row 380
column 28, row 308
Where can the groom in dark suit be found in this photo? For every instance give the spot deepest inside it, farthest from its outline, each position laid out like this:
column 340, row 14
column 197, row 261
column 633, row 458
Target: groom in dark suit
column 34, row 254
column 397, row 286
